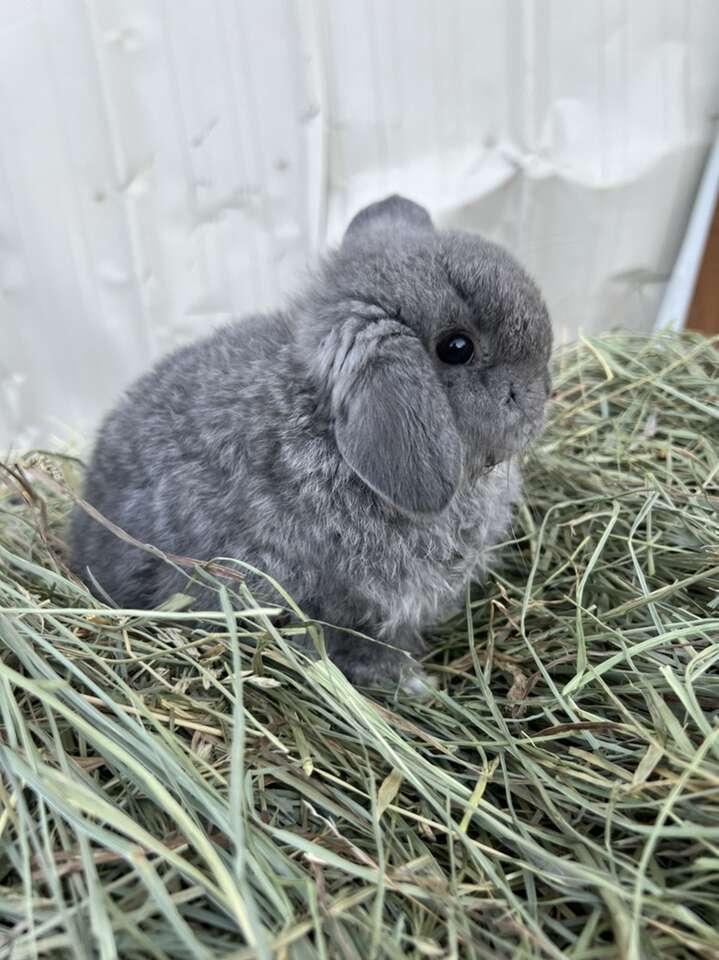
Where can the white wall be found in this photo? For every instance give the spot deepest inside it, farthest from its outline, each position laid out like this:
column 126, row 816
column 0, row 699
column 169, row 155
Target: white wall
column 167, row 165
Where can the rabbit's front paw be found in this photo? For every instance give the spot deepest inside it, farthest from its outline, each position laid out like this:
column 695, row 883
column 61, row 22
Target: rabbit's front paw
column 389, row 669
column 417, row 683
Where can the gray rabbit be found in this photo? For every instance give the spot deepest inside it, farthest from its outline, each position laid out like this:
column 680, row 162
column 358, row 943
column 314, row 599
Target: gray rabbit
column 360, row 446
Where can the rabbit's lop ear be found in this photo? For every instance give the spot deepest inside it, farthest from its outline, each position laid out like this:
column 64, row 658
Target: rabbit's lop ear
column 392, row 212
column 393, row 424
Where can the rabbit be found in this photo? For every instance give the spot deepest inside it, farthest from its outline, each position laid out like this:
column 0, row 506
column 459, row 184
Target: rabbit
column 361, row 446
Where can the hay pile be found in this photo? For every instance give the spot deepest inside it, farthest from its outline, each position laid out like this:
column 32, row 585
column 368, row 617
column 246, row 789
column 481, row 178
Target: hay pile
column 169, row 793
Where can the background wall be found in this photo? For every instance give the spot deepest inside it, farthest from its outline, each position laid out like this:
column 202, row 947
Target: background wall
column 165, row 166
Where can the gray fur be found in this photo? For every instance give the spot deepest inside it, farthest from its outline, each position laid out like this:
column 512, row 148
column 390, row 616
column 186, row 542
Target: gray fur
column 329, row 446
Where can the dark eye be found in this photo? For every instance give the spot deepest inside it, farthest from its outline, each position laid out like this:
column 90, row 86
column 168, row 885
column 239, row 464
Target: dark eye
column 455, row 348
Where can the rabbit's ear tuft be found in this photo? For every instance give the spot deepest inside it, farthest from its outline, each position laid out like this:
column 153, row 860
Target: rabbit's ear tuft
column 392, row 212
column 393, row 423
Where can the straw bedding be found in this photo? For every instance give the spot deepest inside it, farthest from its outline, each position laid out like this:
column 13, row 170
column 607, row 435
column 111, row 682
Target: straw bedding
column 172, row 791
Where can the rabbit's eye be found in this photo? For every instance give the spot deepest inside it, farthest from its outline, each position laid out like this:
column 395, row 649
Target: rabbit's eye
column 455, row 348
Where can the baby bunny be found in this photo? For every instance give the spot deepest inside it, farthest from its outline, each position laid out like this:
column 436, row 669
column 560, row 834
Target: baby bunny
column 360, row 446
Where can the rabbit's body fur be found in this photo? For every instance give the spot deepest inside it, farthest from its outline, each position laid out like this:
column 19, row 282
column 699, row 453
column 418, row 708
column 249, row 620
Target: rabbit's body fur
column 229, row 448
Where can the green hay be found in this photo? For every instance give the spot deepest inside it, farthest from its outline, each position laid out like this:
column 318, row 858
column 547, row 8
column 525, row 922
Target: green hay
column 170, row 792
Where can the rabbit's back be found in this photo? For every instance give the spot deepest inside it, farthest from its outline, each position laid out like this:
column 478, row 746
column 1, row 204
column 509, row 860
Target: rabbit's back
column 173, row 463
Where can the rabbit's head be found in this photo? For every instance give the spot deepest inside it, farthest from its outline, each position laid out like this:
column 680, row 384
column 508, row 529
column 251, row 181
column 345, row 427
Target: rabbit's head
column 430, row 351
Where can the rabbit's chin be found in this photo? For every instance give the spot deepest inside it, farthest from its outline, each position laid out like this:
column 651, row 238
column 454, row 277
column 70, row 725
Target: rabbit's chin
column 484, row 463
column 478, row 471
column 497, row 450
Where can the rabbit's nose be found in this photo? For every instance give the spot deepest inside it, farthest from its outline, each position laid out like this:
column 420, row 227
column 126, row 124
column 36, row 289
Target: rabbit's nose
column 511, row 396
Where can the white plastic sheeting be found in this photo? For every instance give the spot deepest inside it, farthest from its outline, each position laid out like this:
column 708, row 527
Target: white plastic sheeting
column 165, row 166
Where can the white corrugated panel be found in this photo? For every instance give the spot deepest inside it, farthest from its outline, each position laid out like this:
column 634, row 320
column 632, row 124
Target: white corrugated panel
column 166, row 166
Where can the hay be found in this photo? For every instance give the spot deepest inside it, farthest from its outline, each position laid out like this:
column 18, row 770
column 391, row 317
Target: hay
column 169, row 792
